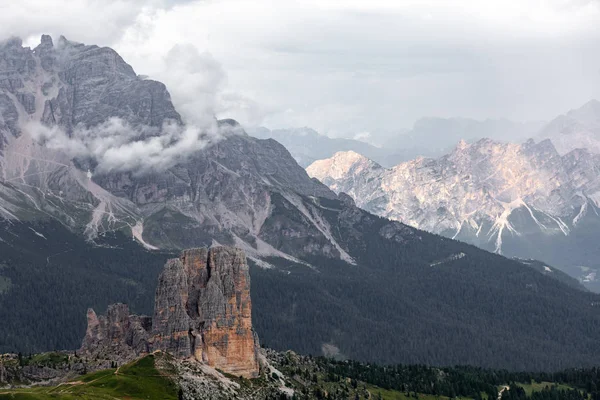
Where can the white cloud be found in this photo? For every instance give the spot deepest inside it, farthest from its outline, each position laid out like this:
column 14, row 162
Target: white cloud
column 116, row 146
column 194, row 80
column 363, row 136
column 344, row 66
column 97, row 21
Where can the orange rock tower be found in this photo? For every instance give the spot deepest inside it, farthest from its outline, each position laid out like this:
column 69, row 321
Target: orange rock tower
column 202, row 309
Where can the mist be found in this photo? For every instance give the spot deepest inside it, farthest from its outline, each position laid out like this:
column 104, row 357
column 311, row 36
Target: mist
column 116, row 146
column 375, row 66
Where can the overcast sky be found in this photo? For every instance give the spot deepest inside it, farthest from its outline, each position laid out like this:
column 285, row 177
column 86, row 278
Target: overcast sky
column 343, row 67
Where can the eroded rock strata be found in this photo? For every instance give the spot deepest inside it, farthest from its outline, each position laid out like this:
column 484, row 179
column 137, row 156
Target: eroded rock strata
column 202, row 310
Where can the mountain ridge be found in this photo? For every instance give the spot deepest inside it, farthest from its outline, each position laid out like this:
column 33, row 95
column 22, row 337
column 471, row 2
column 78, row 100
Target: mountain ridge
column 487, row 193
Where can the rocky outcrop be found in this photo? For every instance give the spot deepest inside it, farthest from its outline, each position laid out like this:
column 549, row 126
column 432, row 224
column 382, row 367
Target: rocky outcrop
column 117, row 336
column 202, row 310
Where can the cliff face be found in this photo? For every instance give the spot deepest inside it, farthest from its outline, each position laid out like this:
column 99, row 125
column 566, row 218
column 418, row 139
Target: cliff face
column 202, row 310
column 485, row 193
column 236, row 191
column 116, row 335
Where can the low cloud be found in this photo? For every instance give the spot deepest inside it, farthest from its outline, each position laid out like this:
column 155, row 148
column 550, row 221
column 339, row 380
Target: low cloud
column 116, row 146
column 197, row 83
column 194, row 80
column 364, row 136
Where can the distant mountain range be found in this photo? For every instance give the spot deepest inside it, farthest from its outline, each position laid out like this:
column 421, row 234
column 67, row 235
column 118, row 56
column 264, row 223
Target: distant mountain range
column 306, row 146
column 577, row 129
column 523, row 200
column 90, row 209
column 430, row 137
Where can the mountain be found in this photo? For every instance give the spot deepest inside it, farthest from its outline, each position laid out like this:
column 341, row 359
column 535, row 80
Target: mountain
column 219, row 195
column 429, row 137
column 577, row 129
column 102, row 181
column 307, row 146
column 523, row 201
column 202, row 311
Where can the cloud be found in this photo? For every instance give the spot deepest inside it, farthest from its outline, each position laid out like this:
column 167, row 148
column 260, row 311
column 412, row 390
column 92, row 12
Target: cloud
column 387, row 63
column 116, row 146
column 194, row 80
column 363, row 136
column 98, row 21
column 197, row 82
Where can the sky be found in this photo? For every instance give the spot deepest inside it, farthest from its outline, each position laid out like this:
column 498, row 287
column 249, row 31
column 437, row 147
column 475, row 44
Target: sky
column 346, row 68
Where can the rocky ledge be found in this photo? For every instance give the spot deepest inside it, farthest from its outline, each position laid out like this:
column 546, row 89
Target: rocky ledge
column 202, row 311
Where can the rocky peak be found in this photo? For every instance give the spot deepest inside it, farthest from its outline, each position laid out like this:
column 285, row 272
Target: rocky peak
column 46, row 41
column 116, row 336
column 46, row 44
column 588, row 113
column 462, row 145
column 578, row 128
column 340, row 164
column 479, row 192
column 202, row 310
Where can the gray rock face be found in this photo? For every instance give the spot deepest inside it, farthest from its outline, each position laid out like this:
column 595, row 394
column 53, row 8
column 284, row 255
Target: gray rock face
column 118, row 336
column 202, row 310
column 171, row 323
column 94, row 83
column 508, row 198
column 239, row 191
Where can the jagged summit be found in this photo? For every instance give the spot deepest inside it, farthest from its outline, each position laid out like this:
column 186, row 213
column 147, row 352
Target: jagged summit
column 578, row 128
column 46, row 41
column 485, row 192
column 202, row 310
column 340, row 164
column 225, row 191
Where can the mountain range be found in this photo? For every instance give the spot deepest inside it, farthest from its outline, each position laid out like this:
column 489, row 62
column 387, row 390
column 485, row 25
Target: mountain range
column 524, row 201
column 577, row 129
column 102, row 181
column 429, row 137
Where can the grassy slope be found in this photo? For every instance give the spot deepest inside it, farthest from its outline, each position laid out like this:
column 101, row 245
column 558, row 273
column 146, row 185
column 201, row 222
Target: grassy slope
column 138, row 380
column 388, row 394
column 538, row 387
